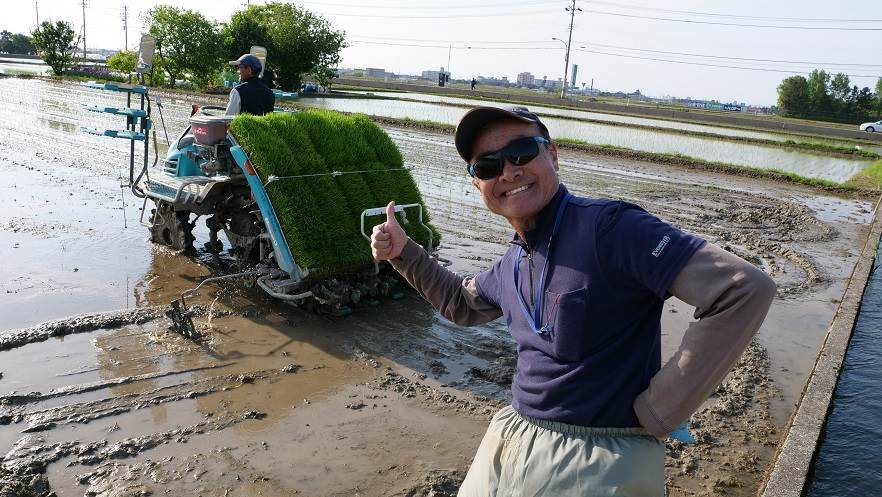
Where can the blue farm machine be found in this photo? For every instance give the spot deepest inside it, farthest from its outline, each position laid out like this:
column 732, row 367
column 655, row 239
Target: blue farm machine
column 207, row 174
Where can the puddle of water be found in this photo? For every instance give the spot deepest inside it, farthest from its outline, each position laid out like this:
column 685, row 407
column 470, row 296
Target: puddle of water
column 70, row 252
column 13, row 68
column 816, row 166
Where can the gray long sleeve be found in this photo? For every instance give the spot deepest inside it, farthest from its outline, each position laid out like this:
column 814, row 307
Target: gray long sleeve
column 731, row 299
column 455, row 297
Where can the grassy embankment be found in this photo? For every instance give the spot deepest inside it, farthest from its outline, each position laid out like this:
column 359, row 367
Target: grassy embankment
column 869, row 179
column 320, row 213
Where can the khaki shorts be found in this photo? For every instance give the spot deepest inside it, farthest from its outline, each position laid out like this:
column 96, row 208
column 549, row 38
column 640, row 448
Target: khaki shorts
column 526, row 457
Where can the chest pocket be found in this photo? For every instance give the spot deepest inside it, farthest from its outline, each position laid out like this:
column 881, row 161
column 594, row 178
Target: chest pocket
column 569, row 312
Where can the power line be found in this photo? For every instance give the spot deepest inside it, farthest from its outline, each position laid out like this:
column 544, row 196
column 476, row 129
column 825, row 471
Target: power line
column 511, row 3
column 629, row 56
column 125, row 20
column 84, row 29
column 470, row 47
column 808, row 63
column 476, row 44
column 733, row 16
column 693, row 63
column 453, row 41
column 572, row 10
column 716, row 23
column 499, row 14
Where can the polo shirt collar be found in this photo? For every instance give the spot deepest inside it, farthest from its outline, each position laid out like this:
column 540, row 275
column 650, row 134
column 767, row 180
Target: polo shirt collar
column 544, row 222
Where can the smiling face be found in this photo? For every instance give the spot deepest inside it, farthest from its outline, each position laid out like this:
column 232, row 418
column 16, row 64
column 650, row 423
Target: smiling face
column 520, row 192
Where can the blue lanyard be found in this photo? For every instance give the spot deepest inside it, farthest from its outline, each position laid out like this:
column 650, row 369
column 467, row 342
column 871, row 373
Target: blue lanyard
column 535, row 319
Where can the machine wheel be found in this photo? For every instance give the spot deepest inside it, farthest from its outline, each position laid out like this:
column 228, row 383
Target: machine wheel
column 172, row 228
column 870, row 129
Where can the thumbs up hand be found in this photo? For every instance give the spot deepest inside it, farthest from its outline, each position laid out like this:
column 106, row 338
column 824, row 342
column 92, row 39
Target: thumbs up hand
column 388, row 239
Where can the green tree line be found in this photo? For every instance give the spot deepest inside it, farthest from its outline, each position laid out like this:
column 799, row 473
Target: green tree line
column 192, row 48
column 827, row 97
column 16, row 43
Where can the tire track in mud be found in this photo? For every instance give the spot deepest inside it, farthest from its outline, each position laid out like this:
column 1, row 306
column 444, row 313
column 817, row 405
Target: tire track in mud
column 22, row 469
column 85, row 412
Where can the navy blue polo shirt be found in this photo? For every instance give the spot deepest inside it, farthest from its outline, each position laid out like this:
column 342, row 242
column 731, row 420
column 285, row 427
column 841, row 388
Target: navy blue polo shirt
column 607, row 279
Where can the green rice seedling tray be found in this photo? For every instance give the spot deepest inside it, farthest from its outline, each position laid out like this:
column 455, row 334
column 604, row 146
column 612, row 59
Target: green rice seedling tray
column 330, row 167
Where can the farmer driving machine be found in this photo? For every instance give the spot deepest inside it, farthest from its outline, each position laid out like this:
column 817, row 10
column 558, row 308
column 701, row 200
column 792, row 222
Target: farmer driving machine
column 295, row 194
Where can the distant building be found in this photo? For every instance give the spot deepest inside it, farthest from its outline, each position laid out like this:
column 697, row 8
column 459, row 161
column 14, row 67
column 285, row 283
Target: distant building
column 373, row 72
column 492, row 81
column 433, row 75
column 552, row 85
column 526, row 79
column 575, row 69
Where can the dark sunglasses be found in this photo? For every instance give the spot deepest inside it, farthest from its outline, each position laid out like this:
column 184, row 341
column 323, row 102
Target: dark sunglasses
column 519, row 152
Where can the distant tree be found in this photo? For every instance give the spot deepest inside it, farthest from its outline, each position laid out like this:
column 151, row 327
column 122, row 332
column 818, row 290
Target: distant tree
column 186, row 42
column 841, row 94
column 5, row 41
column 245, row 29
column 324, row 76
column 879, row 97
column 16, row 43
column 54, row 44
column 863, row 101
column 298, row 41
column 124, row 62
column 793, row 96
column 820, row 103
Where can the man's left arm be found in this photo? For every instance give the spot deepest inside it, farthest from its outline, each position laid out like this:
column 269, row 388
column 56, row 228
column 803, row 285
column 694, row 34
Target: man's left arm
column 731, row 299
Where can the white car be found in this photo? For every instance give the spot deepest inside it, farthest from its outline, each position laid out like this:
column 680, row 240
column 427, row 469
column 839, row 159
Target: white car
column 872, row 127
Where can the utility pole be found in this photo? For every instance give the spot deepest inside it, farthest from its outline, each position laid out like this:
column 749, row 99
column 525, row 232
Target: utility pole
column 84, row 29
column 572, row 10
column 37, row 8
column 125, row 20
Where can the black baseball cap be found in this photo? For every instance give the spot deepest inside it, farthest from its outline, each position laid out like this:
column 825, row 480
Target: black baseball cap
column 474, row 120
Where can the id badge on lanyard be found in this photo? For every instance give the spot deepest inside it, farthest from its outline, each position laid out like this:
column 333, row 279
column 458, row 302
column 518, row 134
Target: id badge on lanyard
column 535, row 319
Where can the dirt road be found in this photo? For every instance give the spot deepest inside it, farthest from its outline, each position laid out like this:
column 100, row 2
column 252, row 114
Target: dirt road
column 387, row 401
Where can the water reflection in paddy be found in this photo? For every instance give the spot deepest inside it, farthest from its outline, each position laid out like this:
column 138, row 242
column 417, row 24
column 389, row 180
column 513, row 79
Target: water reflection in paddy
column 742, row 154
column 617, row 118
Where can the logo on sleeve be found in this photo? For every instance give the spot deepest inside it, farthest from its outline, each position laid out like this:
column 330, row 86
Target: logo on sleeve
column 661, row 246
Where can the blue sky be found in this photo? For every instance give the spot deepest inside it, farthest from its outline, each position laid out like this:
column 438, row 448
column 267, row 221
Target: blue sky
column 505, row 37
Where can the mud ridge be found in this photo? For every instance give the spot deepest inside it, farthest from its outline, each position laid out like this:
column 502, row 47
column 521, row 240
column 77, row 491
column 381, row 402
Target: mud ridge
column 432, row 397
column 90, row 322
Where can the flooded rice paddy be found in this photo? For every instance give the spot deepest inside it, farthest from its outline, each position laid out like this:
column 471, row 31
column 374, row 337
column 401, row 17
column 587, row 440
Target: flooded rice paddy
column 742, row 154
column 615, row 118
column 387, row 401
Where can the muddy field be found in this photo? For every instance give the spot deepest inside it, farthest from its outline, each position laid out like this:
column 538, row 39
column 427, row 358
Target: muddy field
column 391, row 400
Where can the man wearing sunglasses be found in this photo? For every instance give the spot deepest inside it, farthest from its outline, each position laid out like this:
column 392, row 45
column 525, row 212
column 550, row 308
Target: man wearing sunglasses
column 582, row 288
